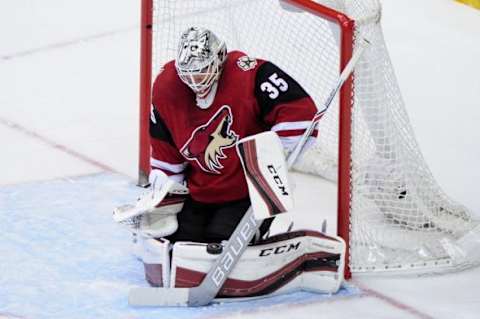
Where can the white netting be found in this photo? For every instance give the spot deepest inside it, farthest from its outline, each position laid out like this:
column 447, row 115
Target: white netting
column 400, row 218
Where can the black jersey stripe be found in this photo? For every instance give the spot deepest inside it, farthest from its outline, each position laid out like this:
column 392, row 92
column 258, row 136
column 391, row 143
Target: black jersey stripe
column 159, row 130
column 270, row 88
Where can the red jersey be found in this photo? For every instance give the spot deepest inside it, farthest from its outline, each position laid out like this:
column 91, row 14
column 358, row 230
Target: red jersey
column 197, row 144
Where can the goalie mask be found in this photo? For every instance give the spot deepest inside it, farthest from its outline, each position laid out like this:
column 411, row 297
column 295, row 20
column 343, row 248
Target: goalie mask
column 200, row 58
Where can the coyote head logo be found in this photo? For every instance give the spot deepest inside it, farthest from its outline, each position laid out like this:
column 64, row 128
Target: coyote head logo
column 208, row 141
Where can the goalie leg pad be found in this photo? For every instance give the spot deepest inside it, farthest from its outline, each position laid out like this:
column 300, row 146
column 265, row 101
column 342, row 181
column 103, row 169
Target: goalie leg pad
column 155, row 255
column 286, row 262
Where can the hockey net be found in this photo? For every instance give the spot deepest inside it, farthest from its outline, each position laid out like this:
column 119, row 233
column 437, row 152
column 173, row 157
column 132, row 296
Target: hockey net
column 391, row 210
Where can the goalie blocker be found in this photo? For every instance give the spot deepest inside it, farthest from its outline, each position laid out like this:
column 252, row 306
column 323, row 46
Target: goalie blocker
column 266, row 172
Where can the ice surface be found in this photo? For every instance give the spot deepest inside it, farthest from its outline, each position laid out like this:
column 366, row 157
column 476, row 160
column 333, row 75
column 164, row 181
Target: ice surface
column 64, row 257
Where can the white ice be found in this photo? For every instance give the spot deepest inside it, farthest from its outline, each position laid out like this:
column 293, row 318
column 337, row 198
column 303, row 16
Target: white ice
column 68, row 119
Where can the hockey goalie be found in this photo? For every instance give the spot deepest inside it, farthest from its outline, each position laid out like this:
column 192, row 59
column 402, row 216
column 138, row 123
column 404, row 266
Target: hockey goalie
column 221, row 125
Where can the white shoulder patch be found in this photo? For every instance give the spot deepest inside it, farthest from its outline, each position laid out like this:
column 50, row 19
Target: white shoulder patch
column 246, row 63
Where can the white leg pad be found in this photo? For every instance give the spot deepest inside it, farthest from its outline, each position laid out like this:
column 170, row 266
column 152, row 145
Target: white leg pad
column 155, row 255
column 305, row 260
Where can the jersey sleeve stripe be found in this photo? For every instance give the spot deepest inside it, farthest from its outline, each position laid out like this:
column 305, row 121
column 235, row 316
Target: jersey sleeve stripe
column 295, row 133
column 290, row 142
column 298, row 125
column 173, row 168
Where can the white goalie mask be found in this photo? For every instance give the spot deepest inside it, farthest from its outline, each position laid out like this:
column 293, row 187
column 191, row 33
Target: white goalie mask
column 200, row 59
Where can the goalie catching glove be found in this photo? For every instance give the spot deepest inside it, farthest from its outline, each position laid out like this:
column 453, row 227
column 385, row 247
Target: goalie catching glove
column 154, row 214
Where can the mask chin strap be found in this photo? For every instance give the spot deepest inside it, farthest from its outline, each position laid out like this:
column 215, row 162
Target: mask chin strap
column 204, row 102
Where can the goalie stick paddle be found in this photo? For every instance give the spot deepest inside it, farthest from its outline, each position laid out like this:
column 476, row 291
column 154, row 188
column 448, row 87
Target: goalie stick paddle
column 217, row 275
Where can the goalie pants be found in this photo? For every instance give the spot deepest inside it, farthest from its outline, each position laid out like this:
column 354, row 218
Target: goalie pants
column 207, row 223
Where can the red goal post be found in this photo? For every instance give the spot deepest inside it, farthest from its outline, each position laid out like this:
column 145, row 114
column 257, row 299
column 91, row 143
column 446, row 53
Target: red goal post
column 145, row 90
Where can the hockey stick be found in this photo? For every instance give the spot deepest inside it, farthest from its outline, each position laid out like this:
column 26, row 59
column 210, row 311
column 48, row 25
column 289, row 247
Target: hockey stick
column 241, row 237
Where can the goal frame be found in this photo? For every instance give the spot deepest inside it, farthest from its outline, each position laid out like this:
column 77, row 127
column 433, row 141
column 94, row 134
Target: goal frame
column 346, row 26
